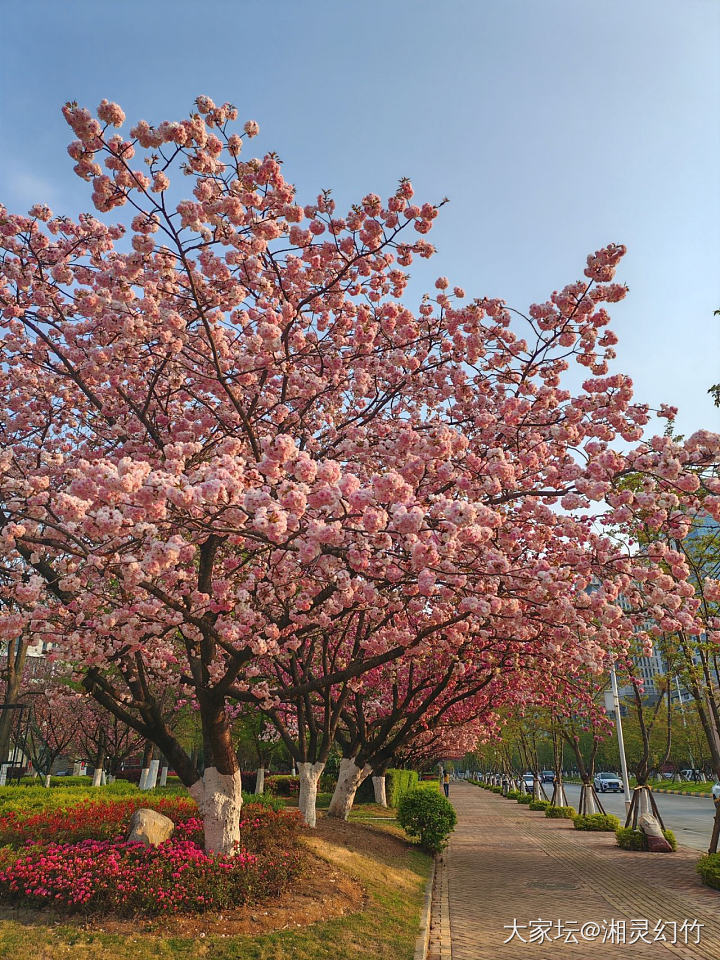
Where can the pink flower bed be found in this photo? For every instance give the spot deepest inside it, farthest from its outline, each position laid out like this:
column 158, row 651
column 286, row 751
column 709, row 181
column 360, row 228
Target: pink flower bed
column 132, row 879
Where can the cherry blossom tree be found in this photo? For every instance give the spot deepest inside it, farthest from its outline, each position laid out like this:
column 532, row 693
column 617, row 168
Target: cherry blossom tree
column 227, row 437
column 56, row 716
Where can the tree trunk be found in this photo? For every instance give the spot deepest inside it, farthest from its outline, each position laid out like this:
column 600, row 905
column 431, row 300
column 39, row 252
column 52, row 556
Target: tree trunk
column 151, row 781
column 559, row 797
column 589, row 802
column 309, row 777
column 16, row 657
column 349, row 779
column 260, row 780
column 219, row 799
column 163, row 776
column 47, row 781
column 99, row 768
column 379, row 789
column 147, row 757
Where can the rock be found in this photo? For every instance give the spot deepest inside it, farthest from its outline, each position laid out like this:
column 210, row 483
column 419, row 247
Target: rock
column 651, row 828
column 150, row 827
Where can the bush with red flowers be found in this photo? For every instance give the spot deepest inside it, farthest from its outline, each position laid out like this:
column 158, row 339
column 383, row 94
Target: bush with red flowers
column 88, row 865
column 132, row 879
column 88, row 820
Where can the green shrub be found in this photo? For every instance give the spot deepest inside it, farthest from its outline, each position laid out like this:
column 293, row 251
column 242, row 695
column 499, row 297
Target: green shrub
column 709, row 869
column 282, row 785
column 525, row 798
column 630, row 839
column 539, row 804
column 398, row 783
column 597, row 821
column 264, row 800
column 429, row 816
column 561, row 813
column 513, row 794
column 433, row 785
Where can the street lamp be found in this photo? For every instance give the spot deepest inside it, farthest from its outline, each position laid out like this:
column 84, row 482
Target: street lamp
column 682, row 711
column 621, row 741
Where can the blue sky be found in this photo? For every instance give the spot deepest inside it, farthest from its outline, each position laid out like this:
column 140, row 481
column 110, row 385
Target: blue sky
column 554, row 126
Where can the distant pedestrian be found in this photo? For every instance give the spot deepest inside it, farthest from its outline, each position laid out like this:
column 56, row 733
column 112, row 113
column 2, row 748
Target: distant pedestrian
column 446, row 784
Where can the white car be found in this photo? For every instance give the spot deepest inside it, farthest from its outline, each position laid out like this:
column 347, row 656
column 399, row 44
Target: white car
column 528, row 782
column 608, row 781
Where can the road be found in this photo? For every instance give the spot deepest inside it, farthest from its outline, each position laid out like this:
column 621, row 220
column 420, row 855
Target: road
column 689, row 818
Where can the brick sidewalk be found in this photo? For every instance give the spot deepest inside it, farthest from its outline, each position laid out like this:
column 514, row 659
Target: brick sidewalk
column 506, row 862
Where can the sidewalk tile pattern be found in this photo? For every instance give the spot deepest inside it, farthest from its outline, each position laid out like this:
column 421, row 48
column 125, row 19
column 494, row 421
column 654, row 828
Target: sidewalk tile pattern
column 508, row 863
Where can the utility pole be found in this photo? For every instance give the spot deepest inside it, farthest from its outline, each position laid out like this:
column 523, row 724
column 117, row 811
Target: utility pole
column 621, row 741
column 682, row 712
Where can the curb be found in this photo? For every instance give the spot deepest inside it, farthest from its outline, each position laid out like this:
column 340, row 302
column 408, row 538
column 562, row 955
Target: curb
column 423, row 939
column 685, row 793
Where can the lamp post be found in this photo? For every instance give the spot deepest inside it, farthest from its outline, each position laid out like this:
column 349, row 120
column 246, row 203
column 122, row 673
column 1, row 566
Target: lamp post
column 621, row 741
column 682, row 712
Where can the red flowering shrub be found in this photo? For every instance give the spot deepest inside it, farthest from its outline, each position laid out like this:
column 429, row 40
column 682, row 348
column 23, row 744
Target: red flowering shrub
column 88, row 820
column 261, row 829
column 131, row 879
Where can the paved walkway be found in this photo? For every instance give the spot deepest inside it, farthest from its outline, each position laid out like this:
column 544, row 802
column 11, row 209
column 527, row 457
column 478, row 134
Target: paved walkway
column 508, row 865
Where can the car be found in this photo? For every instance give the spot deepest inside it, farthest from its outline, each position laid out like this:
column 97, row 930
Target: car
column 605, row 782
column 716, row 792
column 528, row 781
column 548, row 776
column 691, row 775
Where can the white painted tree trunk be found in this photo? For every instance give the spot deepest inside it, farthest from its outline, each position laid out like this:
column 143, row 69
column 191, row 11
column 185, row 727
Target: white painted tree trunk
column 260, row 780
column 163, row 776
column 103, row 779
column 143, row 778
column 643, row 803
column 97, row 776
column 589, row 805
column 349, row 779
column 47, row 780
column 219, row 799
column 559, row 797
column 379, row 789
column 152, row 776
column 309, row 776
column 77, row 767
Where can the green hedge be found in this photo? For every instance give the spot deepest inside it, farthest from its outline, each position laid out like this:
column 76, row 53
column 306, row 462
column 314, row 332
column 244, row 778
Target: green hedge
column 629, row 839
column 561, row 813
column 513, row 794
column 398, row 783
column 709, row 869
column 597, row 821
column 539, row 804
column 282, row 785
column 525, row 798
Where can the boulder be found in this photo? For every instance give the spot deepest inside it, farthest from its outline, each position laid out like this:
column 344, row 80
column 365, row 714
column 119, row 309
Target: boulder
column 150, row 827
column 652, row 830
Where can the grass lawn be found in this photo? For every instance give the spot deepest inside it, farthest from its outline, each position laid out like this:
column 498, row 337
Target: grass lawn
column 682, row 786
column 362, row 900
